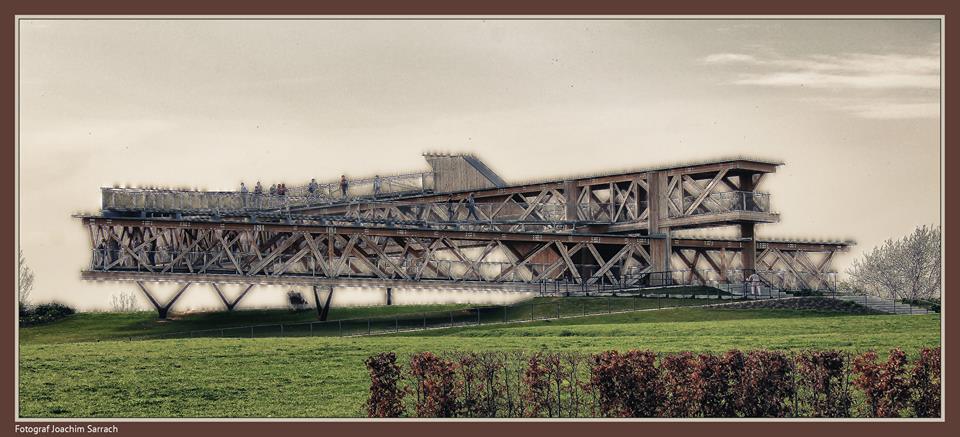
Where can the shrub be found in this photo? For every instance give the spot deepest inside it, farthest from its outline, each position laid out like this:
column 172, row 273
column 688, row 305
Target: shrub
column 885, row 384
column 44, row 313
column 536, row 381
column 628, row 385
column 925, row 383
column 386, row 396
column 680, row 393
column 823, row 374
column 766, row 384
column 713, row 380
column 436, row 386
column 296, row 300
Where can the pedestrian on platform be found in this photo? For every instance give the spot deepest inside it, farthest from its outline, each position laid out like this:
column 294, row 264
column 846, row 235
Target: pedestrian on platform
column 754, row 281
column 343, row 186
column 312, row 188
column 273, row 190
column 376, row 186
column 472, row 207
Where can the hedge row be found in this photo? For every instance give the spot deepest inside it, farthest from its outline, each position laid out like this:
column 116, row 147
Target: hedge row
column 639, row 383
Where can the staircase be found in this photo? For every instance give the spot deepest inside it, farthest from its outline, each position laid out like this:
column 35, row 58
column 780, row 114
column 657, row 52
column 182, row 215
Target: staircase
column 888, row 306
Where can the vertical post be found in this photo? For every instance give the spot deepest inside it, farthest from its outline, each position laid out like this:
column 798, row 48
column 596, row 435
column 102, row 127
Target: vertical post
column 424, row 320
column 532, row 307
column 281, row 329
column 571, row 201
column 251, row 332
column 311, row 329
column 504, row 314
column 340, row 328
column 368, row 326
column 451, row 318
column 396, row 323
column 558, row 310
column 478, row 316
column 389, row 296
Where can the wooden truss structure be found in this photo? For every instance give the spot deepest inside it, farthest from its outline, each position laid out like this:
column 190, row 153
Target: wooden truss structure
column 615, row 230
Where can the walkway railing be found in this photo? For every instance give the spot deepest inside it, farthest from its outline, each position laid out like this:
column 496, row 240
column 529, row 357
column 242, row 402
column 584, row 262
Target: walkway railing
column 729, row 201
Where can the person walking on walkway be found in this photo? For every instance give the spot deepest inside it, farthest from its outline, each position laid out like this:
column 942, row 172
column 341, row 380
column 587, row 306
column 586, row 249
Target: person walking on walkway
column 343, row 186
column 312, row 188
column 472, row 207
column 243, row 194
column 754, row 281
column 376, row 186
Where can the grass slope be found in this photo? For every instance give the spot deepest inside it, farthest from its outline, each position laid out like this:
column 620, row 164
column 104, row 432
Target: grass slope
column 325, row 377
column 115, row 326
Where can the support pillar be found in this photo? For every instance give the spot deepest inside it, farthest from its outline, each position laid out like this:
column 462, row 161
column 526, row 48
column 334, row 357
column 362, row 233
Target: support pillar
column 326, row 307
column 749, row 253
column 162, row 310
column 571, row 194
column 226, row 302
column 660, row 244
column 389, row 296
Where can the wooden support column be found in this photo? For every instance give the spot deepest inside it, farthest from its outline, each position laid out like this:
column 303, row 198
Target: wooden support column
column 162, row 310
column 749, row 253
column 570, row 195
column 660, row 248
column 322, row 309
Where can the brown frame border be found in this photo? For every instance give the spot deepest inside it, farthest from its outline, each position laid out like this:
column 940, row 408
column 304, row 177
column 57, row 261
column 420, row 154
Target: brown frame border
column 435, row 7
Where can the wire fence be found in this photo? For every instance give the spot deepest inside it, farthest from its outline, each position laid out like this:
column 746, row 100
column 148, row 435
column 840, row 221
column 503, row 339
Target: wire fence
column 476, row 316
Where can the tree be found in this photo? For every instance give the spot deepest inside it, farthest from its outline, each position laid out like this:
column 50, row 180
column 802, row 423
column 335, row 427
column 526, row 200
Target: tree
column 24, row 280
column 907, row 268
column 124, row 302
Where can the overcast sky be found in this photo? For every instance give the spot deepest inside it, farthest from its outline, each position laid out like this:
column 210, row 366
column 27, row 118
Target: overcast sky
column 850, row 106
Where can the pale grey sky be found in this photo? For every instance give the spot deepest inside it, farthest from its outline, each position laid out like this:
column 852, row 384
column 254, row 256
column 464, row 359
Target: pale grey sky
column 851, row 107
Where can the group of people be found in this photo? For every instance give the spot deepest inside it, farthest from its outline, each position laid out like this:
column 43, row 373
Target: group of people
column 275, row 189
column 313, row 188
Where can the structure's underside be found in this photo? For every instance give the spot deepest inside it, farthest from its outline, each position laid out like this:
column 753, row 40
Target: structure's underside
column 421, row 230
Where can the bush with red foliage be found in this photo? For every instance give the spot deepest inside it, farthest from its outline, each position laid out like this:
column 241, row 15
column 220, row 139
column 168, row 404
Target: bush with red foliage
column 436, row 385
column 823, row 374
column 386, row 396
column 680, row 393
column 885, row 385
column 713, row 381
column 766, row 385
column 536, row 381
column 628, row 385
column 925, row 382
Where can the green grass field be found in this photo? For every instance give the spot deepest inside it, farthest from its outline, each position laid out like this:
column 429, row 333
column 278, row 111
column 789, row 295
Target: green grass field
column 65, row 373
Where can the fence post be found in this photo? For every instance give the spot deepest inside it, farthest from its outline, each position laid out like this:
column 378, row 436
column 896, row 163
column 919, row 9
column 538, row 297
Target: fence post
column 368, row 326
column 558, row 310
column 281, row 329
column 340, row 328
column 311, row 329
column 396, row 323
column 532, row 307
column 583, row 306
column 221, row 333
column 478, row 316
column 451, row 318
column 251, row 332
column 504, row 314
column 424, row 320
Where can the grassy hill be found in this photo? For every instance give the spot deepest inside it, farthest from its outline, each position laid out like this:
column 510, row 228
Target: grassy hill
column 115, row 326
column 325, row 376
